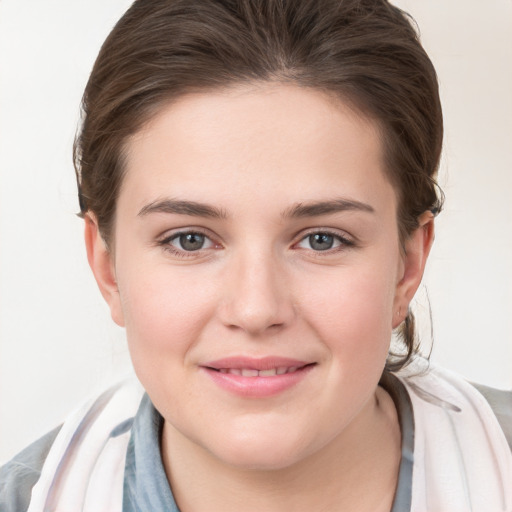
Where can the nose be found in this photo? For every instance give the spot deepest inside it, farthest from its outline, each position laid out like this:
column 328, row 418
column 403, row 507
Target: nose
column 257, row 296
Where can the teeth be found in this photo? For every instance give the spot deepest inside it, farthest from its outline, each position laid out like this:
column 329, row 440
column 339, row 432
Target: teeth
column 249, row 372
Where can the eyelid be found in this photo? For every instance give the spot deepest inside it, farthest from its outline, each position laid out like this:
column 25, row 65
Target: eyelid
column 171, row 233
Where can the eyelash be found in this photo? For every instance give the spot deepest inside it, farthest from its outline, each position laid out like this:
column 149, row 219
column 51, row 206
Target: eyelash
column 344, row 242
column 165, row 243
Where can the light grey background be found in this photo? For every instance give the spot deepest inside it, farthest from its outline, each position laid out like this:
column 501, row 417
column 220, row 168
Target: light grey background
column 57, row 342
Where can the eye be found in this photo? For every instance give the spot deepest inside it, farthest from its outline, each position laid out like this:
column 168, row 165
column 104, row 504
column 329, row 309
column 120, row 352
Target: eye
column 189, row 241
column 324, row 241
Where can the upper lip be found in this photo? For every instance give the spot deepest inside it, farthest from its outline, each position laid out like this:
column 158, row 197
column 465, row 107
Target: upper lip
column 252, row 363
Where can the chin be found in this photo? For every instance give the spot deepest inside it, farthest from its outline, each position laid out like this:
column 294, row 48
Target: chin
column 258, row 461
column 262, row 452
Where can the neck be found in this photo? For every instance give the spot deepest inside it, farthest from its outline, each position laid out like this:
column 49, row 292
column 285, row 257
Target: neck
column 356, row 471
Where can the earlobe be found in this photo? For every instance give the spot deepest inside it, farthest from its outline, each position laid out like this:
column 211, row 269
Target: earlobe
column 102, row 266
column 417, row 249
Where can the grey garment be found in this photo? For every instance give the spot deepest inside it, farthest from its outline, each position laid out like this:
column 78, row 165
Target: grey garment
column 146, row 486
column 403, row 494
column 19, row 475
column 501, row 403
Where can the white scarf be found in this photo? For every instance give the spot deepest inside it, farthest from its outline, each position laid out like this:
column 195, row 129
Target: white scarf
column 462, row 462
column 84, row 469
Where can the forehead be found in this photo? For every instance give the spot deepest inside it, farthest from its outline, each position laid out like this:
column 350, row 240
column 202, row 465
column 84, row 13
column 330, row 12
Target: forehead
column 281, row 141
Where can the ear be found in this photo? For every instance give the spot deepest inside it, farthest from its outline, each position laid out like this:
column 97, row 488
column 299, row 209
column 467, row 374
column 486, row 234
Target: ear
column 416, row 251
column 102, row 266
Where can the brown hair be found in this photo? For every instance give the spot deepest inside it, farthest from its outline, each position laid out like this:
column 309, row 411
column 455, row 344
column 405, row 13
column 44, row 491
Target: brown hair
column 365, row 51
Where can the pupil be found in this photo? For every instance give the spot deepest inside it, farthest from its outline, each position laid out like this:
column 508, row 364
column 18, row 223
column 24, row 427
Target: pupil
column 321, row 241
column 192, row 241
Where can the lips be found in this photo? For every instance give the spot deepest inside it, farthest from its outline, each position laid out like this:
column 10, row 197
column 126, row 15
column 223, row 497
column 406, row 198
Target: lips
column 257, row 377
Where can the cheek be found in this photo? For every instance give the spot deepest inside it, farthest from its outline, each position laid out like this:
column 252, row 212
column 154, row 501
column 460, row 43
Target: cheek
column 352, row 311
column 164, row 311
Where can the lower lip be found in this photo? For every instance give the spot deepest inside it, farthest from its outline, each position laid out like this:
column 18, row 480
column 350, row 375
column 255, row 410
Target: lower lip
column 257, row 387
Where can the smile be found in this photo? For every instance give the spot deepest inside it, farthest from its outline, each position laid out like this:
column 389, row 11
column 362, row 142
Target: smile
column 257, row 378
column 249, row 372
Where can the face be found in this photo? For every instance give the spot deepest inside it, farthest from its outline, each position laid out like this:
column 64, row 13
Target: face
column 257, row 270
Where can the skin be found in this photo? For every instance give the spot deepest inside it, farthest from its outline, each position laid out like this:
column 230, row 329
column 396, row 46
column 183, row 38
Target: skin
column 258, row 287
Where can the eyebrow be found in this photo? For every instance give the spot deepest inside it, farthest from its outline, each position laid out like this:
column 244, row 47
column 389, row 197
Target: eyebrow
column 318, row 208
column 299, row 210
column 183, row 208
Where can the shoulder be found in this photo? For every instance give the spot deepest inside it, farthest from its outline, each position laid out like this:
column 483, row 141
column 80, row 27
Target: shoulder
column 115, row 407
column 501, row 404
column 18, row 476
column 438, row 386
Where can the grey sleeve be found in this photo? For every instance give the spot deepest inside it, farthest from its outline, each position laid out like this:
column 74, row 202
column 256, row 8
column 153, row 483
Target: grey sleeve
column 501, row 403
column 19, row 475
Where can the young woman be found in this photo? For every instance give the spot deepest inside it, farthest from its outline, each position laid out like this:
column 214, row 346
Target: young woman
column 257, row 180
